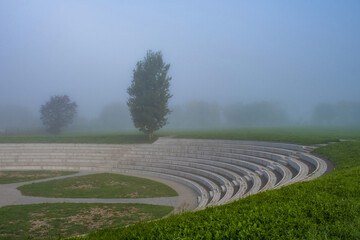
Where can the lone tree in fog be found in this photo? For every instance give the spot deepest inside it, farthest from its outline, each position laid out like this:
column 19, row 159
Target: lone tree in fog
column 149, row 93
column 57, row 113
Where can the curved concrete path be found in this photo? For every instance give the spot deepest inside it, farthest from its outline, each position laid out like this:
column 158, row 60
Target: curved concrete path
column 9, row 195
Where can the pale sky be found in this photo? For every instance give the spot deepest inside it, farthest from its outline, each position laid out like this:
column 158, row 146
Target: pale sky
column 298, row 53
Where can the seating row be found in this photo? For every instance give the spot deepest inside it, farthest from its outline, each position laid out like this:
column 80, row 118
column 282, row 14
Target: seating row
column 219, row 171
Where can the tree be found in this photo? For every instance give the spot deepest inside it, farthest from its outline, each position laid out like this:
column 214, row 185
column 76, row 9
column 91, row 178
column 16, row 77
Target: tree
column 57, row 113
column 149, row 94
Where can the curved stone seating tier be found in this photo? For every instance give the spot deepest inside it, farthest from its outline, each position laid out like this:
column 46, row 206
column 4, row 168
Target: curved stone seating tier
column 245, row 164
column 241, row 171
column 320, row 165
column 201, row 142
column 260, row 157
column 203, row 197
column 223, row 185
column 225, row 148
column 211, row 166
column 214, row 193
column 259, row 151
column 302, row 170
column 218, row 171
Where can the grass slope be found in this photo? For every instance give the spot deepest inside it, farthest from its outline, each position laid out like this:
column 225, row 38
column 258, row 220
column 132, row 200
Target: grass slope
column 108, row 138
column 304, row 135
column 43, row 221
column 102, row 185
column 24, row 176
column 301, row 135
column 325, row 208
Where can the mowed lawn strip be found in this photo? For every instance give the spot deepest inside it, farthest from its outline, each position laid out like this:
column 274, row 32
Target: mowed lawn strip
column 102, row 185
column 325, row 208
column 299, row 135
column 44, row 221
column 24, row 176
column 105, row 138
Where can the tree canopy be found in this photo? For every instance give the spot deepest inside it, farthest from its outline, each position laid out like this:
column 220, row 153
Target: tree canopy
column 149, row 93
column 57, row 113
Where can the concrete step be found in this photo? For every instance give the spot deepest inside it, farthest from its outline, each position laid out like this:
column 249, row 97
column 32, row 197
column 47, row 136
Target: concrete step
column 219, row 171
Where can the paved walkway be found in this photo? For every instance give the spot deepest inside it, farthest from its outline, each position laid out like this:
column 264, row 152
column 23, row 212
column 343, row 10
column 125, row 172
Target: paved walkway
column 9, row 195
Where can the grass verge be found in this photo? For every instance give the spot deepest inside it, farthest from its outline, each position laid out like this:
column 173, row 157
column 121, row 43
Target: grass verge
column 106, row 138
column 24, row 176
column 44, row 221
column 301, row 135
column 325, row 208
column 102, row 185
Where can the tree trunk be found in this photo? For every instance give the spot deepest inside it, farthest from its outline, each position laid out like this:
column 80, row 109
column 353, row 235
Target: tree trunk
column 150, row 136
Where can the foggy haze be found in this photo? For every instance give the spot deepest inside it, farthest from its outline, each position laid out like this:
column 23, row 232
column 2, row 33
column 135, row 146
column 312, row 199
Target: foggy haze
column 298, row 60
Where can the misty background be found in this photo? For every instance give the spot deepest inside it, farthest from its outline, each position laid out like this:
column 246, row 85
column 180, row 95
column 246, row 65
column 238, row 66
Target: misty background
column 233, row 63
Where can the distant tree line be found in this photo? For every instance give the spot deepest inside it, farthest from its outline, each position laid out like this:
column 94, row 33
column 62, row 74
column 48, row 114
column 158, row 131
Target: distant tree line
column 341, row 113
column 195, row 114
column 15, row 118
column 192, row 114
column 113, row 117
column 201, row 114
column 256, row 114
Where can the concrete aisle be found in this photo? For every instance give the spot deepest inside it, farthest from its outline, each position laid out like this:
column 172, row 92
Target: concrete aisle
column 9, row 195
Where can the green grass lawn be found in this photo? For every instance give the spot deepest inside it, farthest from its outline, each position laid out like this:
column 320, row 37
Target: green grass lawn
column 108, row 138
column 301, row 135
column 102, row 185
column 23, row 176
column 325, row 208
column 44, row 221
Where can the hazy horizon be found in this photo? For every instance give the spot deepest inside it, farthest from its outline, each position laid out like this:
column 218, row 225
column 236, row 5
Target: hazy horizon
column 298, row 54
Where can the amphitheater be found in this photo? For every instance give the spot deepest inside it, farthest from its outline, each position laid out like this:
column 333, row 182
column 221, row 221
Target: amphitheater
column 203, row 172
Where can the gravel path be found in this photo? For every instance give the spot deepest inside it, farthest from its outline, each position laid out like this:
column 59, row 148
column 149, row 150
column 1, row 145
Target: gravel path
column 9, row 195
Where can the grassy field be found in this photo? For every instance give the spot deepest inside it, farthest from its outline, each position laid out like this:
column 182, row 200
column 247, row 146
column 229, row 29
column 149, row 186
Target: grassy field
column 44, row 221
column 23, row 176
column 106, row 138
column 325, row 208
column 302, row 135
column 102, row 185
